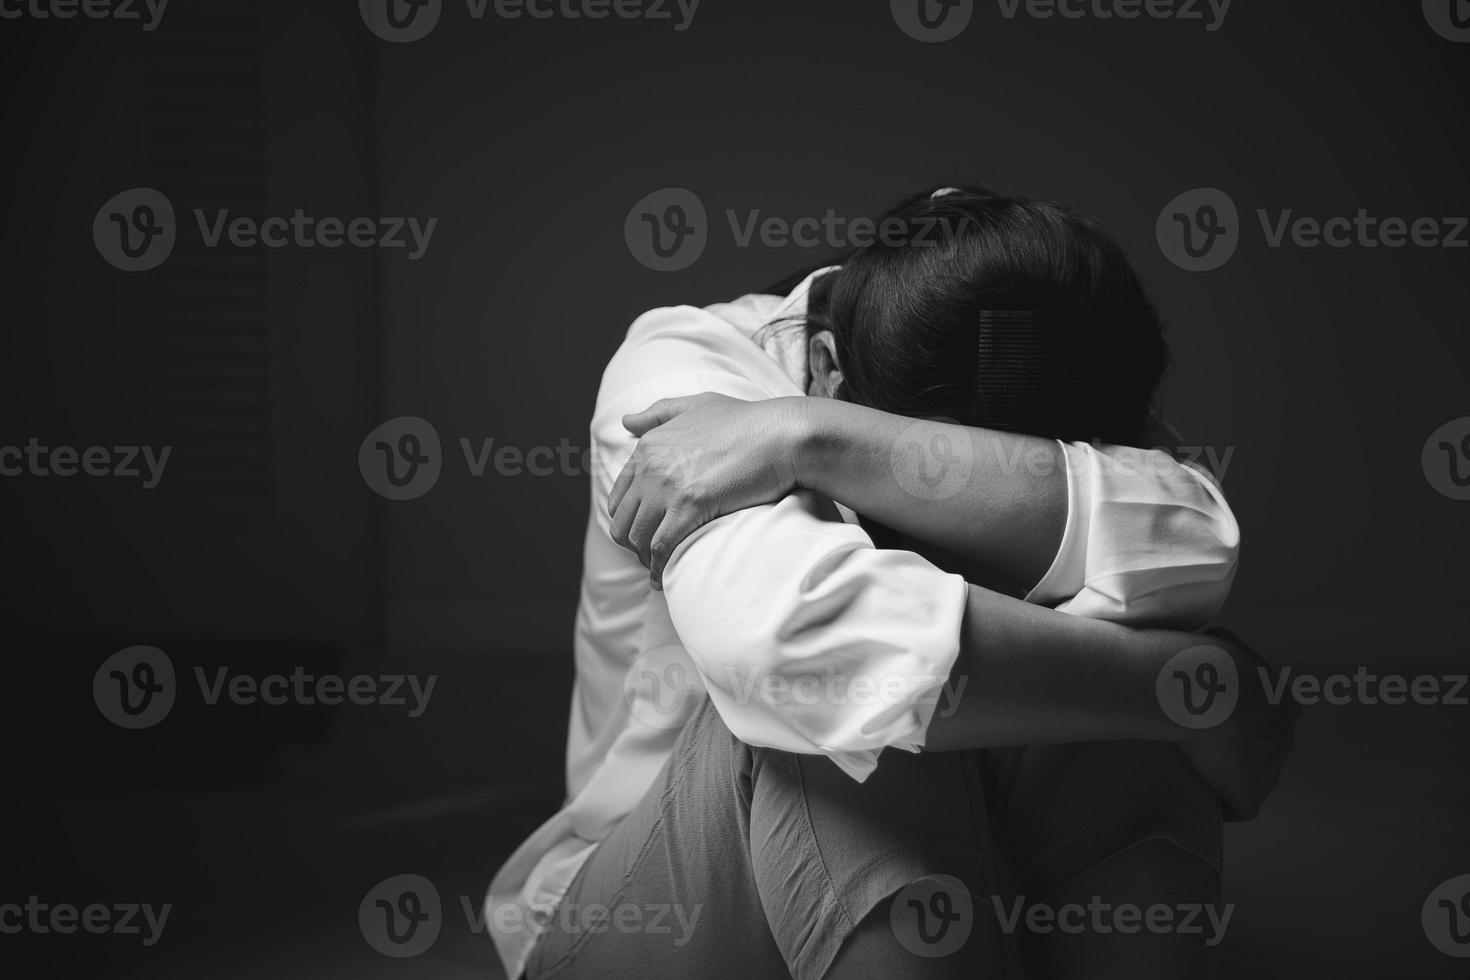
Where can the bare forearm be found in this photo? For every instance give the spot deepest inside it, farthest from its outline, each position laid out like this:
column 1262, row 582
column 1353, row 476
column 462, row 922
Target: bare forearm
column 1032, row 676
column 996, row 500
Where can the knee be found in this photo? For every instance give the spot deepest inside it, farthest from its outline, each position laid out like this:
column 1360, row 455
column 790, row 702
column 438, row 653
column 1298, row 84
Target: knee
column 896, row 939
column 1154, row 871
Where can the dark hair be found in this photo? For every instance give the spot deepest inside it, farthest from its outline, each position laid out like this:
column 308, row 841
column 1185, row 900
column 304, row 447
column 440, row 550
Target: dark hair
column 996, row 311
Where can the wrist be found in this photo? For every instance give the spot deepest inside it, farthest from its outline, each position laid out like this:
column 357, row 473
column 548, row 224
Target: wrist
column 813, row 440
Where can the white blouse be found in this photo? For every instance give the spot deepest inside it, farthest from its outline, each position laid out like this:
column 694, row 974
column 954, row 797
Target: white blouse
column 806, row 636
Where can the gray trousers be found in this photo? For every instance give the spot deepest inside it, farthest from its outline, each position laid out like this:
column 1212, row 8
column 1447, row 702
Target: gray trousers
column 748, row 863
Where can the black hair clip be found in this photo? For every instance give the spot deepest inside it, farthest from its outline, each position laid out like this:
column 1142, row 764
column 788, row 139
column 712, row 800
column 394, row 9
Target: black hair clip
column 1030, row 372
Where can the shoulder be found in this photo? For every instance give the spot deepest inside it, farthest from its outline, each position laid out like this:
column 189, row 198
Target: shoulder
column 678, row 350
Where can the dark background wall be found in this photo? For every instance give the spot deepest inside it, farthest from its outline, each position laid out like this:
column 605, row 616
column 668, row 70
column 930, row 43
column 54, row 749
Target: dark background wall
column 1326, row 370
column 1323, row 370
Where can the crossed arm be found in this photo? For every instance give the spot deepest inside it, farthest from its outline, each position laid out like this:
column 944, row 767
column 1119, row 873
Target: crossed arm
column 1113, row 533
column 710, row 455
column 785, row 591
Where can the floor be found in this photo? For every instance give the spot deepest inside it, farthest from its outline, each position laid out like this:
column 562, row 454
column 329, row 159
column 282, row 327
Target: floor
column 265, row 871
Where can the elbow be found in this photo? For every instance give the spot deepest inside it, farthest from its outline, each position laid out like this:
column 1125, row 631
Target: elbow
column 1207, row 557
column 837, row 658
column 1216, row 564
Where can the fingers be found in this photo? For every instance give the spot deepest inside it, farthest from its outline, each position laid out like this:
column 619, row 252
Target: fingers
column 623, row 517
column 635, row 520
column 677, row 525
column 655, row 415
column 640, row 535
column 621, row 486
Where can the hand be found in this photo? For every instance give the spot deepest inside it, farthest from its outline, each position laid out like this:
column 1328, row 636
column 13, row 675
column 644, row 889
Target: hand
column 699, row 458
column 1242, row 758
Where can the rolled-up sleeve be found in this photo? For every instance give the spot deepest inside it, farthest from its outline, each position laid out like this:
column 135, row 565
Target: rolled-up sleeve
column 1149, row 540
column 808, row 638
